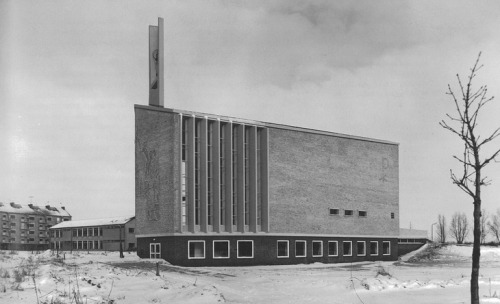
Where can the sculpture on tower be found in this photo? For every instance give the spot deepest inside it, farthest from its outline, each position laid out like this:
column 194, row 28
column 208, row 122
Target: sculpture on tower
column 156, row 89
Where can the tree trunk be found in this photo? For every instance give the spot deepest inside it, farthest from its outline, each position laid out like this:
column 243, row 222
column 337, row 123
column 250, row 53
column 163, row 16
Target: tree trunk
column 476, row 249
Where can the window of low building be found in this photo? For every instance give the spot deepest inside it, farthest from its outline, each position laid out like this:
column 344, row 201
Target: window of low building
column 282, row 249
column 392, row 215
column 96, row 231
column 317, row 248
column 333, row 248
column 300, row 249
column 361, row 248
column 245, row 249
column 386, row 248
column 196, row 249
column 348, row 212
column 221, row 249
column 85, row 232
column 347, row 248
column 373, row 248
column 131, row 230
column 362, row 213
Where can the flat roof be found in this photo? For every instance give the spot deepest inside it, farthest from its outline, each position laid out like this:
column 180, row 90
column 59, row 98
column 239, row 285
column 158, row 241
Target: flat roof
column 263, row 124
column 94, row 222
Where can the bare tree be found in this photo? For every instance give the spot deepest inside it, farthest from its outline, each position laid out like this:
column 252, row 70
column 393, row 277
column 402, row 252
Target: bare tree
column 494, row 225
column 484, row 227
column 468, row 105
column 441, row 229
column 459, row 227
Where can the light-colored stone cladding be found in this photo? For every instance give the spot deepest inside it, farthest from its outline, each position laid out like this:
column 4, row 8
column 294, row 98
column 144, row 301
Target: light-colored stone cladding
column 157, row 151
column 309, row 173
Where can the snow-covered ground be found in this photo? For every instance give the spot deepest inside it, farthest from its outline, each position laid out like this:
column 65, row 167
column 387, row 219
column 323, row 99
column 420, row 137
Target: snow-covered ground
column 99, row 277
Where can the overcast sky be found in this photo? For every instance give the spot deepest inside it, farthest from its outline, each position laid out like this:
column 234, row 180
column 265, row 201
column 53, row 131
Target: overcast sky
column 71, row 72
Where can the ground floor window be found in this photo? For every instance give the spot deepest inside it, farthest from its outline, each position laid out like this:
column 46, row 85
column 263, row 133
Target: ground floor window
column 317, row 248
column 221, row 249
column 361, row 246
column 347, row 248
column 154, row 251
column 333, row 248
column 374, row 248
column 196, row 249
column 300, row 249
column 386, row 248
column 245, row 249
column 282, row 247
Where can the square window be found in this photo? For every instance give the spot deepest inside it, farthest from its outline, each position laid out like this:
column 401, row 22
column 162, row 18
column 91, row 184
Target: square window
column 317, row 248
column 282, row 247
column 362, row 213
column 373, row 248
column 386, row 248
column 361, row 247
column 245, row 249
column 348, row 212
column 333, row 248
column 334, row 211
column 196, row 249
column 221, row 249
column 347, row 248
column 131, row 230
column 300, row 249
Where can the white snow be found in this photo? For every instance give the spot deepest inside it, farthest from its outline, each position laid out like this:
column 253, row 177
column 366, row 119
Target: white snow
column 100, row 277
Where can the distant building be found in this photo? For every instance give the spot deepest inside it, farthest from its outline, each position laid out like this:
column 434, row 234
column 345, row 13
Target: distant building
column 411, row 239
column 216, row 190
column 25, row 227
column 95, row 234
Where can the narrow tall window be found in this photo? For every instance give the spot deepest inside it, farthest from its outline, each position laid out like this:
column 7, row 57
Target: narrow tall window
column 246, row 156
column 222, row 175
column 209, row 172
column 197, row 194
column 259, row 177
column 235, row 173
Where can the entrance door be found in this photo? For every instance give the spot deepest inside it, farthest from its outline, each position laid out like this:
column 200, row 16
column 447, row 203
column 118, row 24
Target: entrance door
column 154, row 250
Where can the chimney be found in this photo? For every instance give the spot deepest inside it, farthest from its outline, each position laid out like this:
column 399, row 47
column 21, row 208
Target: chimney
column 30, row 205
column 47, row 207
column 63, row 208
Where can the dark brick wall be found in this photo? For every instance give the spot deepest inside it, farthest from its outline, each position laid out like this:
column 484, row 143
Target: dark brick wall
column 174, row 249
column 407, row 248
column 310, row 173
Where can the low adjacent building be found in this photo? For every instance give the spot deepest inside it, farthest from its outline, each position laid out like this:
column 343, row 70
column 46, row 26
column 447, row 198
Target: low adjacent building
column 25, row 227
column 411, row 239
column 95, row 234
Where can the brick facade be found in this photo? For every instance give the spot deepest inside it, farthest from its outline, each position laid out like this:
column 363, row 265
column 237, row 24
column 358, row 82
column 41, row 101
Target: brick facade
column 307, row 173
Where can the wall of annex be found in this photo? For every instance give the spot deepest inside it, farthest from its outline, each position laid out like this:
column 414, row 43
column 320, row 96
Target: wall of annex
column 311, row 173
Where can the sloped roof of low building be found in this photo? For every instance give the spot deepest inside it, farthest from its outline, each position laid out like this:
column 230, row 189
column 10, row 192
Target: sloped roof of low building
column 94, row 222
column 32, row 209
